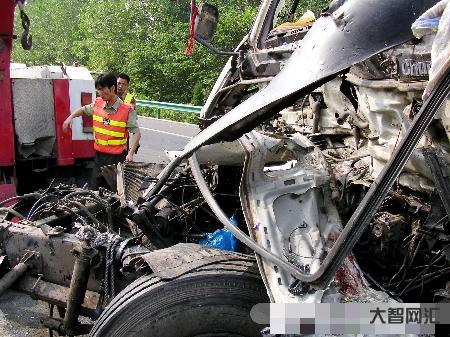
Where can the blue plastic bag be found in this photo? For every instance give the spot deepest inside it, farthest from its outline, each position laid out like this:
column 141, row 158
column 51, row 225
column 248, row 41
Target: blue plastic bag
column 221, row 238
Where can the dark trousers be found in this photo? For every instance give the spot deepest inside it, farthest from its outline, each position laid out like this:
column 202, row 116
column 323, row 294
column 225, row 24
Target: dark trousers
column 104, row 159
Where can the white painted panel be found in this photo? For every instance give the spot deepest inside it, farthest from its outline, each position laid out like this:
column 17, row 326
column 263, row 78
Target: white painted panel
column 76, row 87
column 79, row 73
column 36, row 72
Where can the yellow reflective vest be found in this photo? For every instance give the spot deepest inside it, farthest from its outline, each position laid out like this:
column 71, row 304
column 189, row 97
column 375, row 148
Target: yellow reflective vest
column 110, row 130
column 128, row 98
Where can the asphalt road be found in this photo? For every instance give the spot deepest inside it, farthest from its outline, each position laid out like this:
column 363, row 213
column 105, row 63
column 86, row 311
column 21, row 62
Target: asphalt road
column 19, row 314
column 158, row 135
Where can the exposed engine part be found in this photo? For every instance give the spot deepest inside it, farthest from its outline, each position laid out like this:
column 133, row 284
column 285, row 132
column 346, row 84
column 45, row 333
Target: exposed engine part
column 387, row 225
column 441, row 176
column 407, row 62
column 15, row 273
column 133, row 174
column 78, row 285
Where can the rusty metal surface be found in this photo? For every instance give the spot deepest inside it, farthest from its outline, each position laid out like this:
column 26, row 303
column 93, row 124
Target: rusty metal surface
column 56, row 258
column 54, row 293
column 78, row 286
column 9, row 278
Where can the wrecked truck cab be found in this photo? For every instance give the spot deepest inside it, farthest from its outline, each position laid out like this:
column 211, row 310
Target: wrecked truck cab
column 328, row 214
column 257, row 59
column 340, row 59
column 343, row 36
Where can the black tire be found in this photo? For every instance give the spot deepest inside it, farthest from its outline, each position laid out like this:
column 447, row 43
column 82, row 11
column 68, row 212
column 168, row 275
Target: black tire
column 212, row 301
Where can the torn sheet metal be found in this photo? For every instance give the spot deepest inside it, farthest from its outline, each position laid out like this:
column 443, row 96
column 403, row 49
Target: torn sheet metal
column 355, row 31
column 290, row 213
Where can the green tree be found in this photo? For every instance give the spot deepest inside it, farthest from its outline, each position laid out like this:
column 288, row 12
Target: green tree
column 54, row 25
column 197, row 94
column 146, row 39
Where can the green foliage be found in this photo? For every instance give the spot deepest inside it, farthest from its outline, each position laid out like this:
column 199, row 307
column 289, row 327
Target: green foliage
column 54, row 26
column 197, row 94
column 315, row 6
column 146, row 39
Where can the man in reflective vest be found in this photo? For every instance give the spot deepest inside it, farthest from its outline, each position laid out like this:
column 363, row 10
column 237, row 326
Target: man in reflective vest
column 123, row 82
column 113, row 120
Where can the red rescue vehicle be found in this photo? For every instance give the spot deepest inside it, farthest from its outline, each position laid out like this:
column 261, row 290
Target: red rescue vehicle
column 34, row 103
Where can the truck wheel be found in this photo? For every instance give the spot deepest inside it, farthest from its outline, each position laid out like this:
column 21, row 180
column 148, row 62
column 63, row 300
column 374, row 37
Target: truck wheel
column 212, row 301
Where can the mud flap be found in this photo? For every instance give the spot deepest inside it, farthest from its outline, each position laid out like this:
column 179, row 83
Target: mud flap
column 175, row 261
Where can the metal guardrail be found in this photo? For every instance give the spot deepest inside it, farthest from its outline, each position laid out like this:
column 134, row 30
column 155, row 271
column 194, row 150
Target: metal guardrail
column 168, row 106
